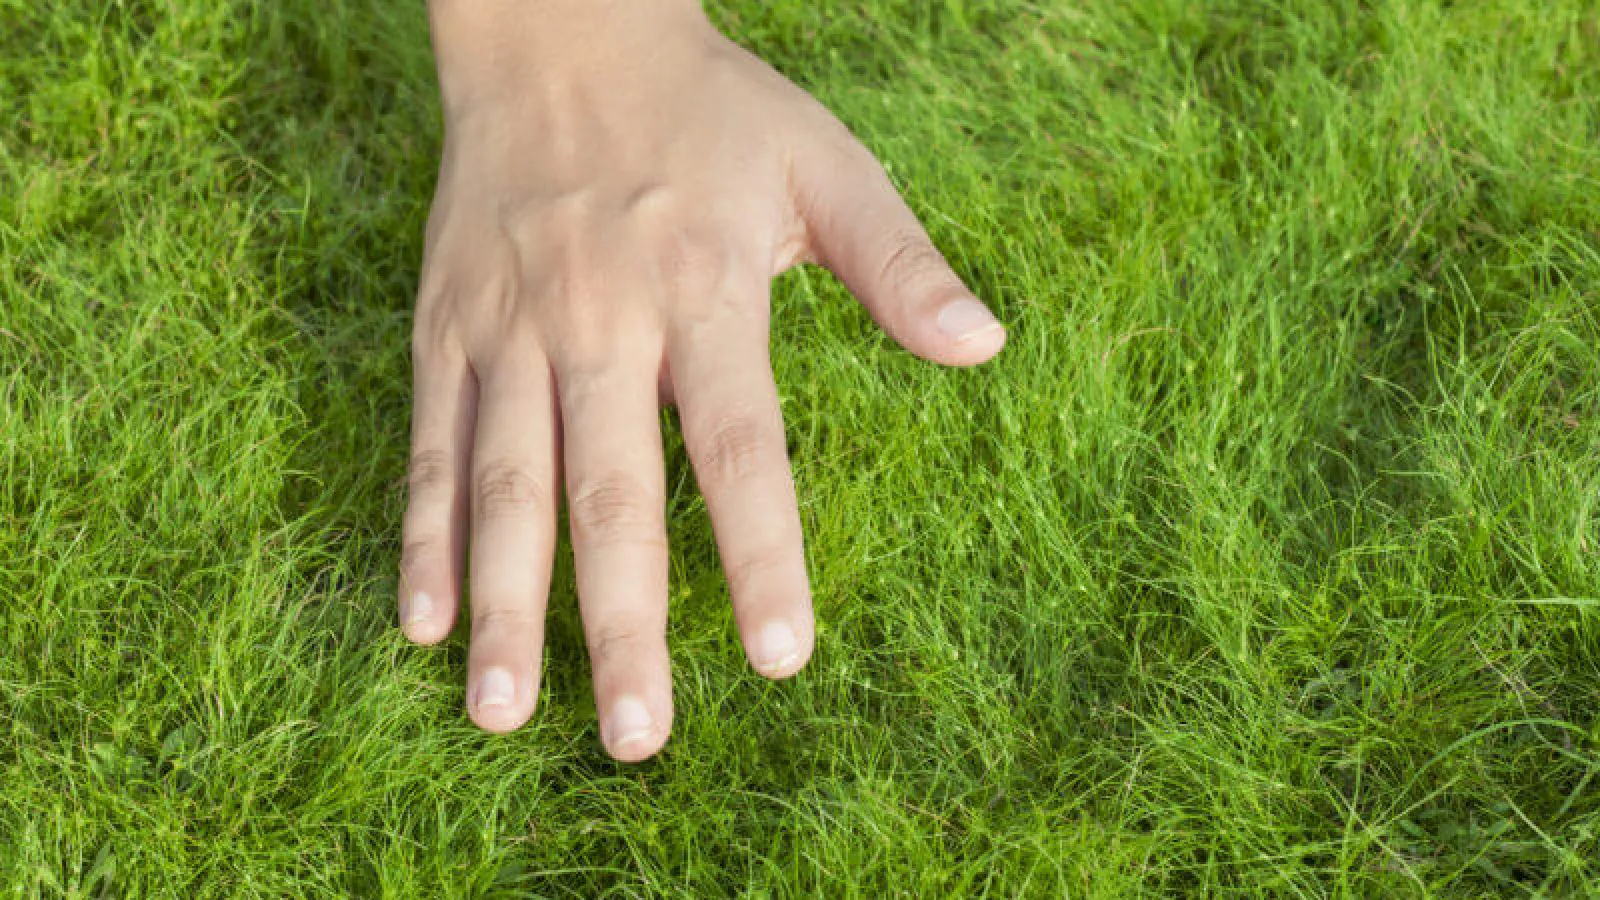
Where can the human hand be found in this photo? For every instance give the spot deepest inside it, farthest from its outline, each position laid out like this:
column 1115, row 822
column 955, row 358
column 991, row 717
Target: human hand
column 619, row 185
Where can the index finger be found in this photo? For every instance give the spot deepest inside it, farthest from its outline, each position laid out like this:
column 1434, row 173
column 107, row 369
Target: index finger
column 733, row 429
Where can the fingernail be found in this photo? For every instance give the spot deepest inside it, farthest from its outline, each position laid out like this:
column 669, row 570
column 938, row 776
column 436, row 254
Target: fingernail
column 966, row 318
column 629, row 722
column 416, row 609
column 494, row 688
column 776, row 646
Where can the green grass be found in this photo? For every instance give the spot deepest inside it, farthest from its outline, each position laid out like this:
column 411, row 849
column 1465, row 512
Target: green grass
column 1265, row 562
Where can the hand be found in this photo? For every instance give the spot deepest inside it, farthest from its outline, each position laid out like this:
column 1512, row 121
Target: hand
column 620, row 184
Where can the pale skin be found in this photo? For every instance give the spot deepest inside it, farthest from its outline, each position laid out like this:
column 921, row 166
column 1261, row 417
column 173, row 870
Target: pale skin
column 620, row 184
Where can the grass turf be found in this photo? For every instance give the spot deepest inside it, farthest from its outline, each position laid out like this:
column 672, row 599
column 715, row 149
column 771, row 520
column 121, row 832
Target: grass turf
column 1265, row 561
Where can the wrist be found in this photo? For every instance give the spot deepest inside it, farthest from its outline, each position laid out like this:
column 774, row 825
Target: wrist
column 553, row 11
column 483, row 45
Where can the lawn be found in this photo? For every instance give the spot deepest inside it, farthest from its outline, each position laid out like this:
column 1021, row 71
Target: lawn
column 1264, row 562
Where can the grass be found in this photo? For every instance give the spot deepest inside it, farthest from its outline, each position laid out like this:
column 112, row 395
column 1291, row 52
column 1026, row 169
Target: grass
column 1264, row 563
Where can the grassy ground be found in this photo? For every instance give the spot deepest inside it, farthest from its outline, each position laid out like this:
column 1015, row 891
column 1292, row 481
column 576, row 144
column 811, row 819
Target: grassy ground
column 1265, row 562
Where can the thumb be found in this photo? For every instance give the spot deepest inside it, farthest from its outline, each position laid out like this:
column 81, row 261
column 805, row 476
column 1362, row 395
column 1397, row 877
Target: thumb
column 859, row 227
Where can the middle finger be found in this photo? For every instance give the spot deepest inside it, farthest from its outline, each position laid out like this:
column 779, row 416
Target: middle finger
column 616, row 497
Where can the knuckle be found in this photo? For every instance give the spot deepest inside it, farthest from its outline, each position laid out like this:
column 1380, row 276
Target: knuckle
column 615, row 640
column 587, row 345
column 733, row 447
column 417, row 550
column 746, row 575
column 429, row 474
column 423, row 344
column 834, row 140
column 693, row 265
column 506, row 488
column 596, row 342
column 431, row 330
column 910, row 261
column 581, row 283
column 615, row 508
column 501, row 619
